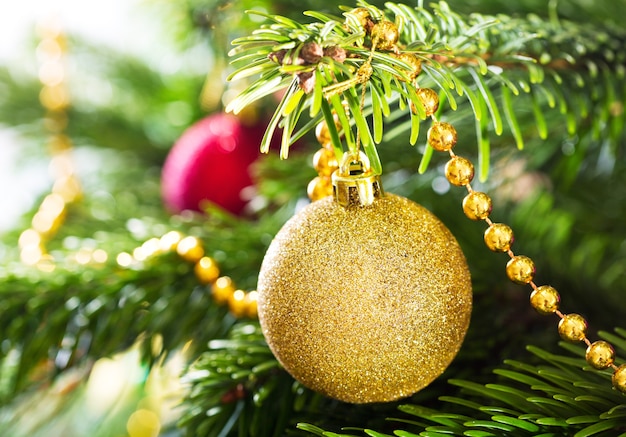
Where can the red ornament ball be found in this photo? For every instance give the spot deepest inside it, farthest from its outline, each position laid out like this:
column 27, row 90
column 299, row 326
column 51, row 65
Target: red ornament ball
column 211, row 162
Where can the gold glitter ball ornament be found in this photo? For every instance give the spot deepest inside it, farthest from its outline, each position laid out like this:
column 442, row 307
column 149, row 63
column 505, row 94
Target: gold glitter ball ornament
column 364, row 303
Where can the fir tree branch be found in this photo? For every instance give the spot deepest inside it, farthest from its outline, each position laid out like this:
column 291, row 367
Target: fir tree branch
column 483, row 60
column 237, row 384
column 558, row 397
column 237, row 387
column 88, row 315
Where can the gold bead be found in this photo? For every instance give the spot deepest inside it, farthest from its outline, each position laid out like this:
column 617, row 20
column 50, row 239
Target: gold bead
column 442, row 136
column 416, row 68
column 364, row 73
column 363, row 16
column 237, row 303
column 319, row 188
column 600, row 354
column 190, row 249
column 251, row 304
column 322, row 133
column 149, row 248
column 206, row 270
column 545, row 300
column 477, row 205
column 325, row 162
column 429, row 99
column 520, row 269
column 459, row 171
column 169, row 241
column 222, row 289
column 498, row 237
column 572, row 327
column 619, row 378
column 385, row 35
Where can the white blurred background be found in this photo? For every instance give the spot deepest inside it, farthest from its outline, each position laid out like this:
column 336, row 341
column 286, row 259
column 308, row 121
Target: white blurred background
column 122, row 24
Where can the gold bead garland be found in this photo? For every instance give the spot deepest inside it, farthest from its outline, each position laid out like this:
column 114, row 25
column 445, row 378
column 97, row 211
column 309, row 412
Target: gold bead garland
column 240, row 303
column 54, row 98
column 189, row 248
column 520, row 269
column 429, row 100
column 325, row 163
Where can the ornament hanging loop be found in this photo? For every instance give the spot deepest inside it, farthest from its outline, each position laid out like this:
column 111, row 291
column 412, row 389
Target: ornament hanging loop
column 354, row 183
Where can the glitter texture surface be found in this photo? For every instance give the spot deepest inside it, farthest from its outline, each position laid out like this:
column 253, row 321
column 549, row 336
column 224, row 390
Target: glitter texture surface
column 365, row 304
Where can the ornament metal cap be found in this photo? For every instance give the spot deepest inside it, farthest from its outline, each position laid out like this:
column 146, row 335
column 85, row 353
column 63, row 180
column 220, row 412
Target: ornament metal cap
column 354, row 183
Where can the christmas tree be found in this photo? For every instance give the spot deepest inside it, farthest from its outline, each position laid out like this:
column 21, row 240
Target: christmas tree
column 129, row 292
